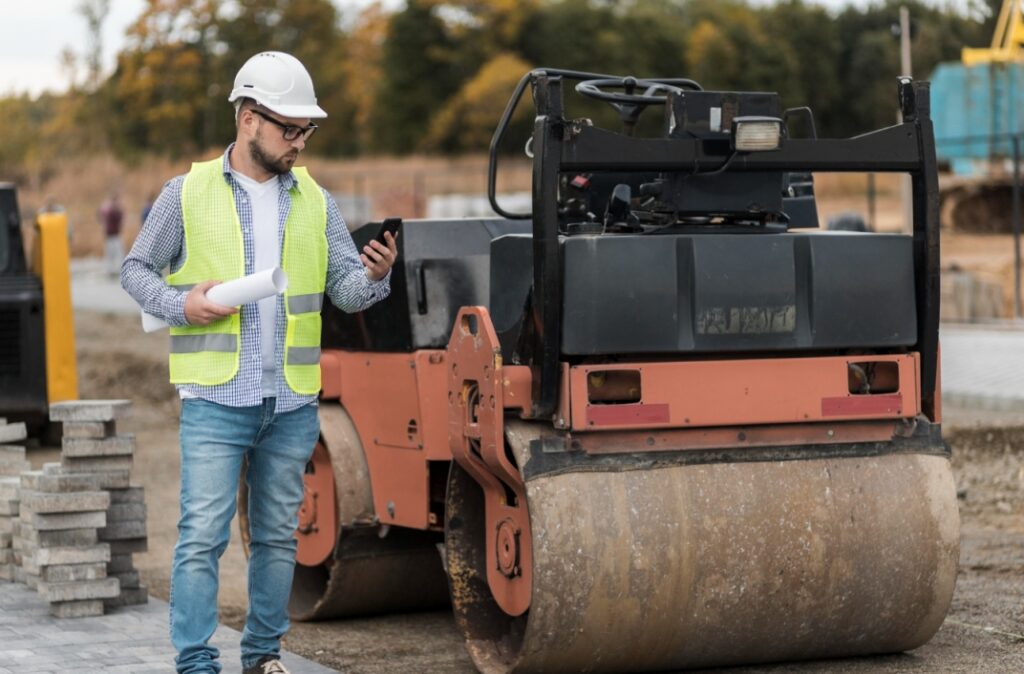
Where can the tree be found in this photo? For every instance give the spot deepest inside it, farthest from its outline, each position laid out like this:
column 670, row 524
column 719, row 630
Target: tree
column 174, row 77
column 812, row 39
column 162, row 77
column 467, row 121
column 362, row 72
column 435, row 74
column 422, row 68
column 95, row 13
column 310, row 31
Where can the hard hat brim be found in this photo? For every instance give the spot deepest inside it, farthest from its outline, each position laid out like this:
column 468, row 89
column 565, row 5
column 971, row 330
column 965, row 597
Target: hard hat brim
column 297, row 111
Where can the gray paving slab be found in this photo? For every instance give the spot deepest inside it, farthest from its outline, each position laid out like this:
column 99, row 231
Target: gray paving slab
column 983, row 366
column 130, row 639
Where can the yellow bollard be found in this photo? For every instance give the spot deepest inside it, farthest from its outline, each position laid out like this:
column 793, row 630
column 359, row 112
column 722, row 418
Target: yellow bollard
column 51, row 262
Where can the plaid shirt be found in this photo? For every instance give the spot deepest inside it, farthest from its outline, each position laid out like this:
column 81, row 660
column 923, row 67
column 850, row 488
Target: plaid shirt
column 161, row 244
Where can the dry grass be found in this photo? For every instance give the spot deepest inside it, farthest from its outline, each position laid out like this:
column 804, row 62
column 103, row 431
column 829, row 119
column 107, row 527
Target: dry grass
column 401, row 187
column 396, row 187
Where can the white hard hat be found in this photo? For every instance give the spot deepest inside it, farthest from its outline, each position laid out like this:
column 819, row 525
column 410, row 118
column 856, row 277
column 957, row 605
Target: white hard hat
column 278, row 82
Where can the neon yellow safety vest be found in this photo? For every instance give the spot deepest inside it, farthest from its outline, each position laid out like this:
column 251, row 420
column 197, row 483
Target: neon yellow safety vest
column 209, row 355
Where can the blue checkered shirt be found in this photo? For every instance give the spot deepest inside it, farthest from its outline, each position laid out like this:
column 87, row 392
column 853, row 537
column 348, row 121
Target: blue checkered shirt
column 161, row 244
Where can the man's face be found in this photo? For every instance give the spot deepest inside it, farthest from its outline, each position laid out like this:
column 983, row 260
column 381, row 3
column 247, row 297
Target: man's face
column 267, row 145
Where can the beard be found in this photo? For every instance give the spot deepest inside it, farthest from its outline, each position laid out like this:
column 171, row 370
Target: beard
column 279, row 165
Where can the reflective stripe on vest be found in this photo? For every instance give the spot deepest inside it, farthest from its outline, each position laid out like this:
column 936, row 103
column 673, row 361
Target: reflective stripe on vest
column 304, row 355
column 303, row 304
column 207, row 342
column 209, row 355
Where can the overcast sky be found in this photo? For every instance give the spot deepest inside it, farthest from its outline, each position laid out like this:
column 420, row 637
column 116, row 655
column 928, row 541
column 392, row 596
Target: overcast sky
column 33, row 34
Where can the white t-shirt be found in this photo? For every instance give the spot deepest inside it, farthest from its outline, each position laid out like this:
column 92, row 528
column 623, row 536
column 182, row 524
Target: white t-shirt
column 267, row 255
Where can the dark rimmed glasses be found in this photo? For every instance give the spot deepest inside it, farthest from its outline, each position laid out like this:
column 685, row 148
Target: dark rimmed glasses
column 290, row 131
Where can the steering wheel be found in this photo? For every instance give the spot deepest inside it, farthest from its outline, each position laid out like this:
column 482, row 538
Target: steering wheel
column 628, row 102
column 596, row 89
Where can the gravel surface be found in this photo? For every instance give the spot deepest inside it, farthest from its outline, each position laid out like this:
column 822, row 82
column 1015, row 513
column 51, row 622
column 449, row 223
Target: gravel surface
column 983, row 633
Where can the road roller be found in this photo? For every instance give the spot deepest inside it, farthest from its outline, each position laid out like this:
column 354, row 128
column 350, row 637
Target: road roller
column 661, row 421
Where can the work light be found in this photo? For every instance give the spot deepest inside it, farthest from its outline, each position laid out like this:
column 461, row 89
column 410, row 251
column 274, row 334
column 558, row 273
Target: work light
column 756, row 134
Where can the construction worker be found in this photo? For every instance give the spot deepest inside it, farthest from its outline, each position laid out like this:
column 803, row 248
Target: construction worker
column 248, row 377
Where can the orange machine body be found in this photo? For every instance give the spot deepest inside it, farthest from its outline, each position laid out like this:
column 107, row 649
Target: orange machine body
column 400, row 405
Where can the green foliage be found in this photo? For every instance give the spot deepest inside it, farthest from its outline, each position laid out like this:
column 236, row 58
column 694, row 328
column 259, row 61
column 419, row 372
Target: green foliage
column 434, row 75
column 467, row 121
column 421, row 68
column 645, row 39
column 22, row 119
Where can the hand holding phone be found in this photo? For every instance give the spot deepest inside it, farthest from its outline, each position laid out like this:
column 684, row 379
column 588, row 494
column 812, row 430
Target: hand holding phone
column 380, row 253
column 390, row 225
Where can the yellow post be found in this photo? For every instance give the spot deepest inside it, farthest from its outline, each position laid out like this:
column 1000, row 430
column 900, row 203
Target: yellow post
column 51, row 262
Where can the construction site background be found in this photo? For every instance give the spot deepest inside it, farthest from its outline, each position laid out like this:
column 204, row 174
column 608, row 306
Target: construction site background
column 426, row 76
column 979, row 267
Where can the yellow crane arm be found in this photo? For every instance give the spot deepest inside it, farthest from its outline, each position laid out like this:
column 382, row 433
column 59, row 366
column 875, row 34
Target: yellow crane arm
column 1007, row 39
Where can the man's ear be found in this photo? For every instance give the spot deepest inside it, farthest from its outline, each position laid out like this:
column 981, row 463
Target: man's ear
column 246, row 117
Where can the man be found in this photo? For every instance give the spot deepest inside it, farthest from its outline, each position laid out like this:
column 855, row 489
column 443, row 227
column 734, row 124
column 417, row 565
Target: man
column 248, row 379
column 111, row 215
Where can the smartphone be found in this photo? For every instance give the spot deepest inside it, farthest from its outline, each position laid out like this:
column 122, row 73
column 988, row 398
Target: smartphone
column 389, row 225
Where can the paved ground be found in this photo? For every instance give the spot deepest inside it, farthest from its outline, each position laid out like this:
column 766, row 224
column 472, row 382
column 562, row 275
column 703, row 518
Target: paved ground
column 93, row 289
column 132, row 640
column 983, row 365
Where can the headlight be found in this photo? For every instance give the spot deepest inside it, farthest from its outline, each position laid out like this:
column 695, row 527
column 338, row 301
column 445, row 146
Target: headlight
column 756, row 134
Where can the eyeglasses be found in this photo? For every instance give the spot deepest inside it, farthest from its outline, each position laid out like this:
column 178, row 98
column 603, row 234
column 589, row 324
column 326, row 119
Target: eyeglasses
column 290, row 131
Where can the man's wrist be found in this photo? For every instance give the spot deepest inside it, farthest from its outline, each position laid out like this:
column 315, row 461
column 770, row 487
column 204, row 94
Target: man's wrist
column 176, row 309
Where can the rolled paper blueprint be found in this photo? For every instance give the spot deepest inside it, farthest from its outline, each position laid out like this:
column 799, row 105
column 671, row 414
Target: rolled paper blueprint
column 251, row 288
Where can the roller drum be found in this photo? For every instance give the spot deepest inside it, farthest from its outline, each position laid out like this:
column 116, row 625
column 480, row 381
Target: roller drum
column 688, row 566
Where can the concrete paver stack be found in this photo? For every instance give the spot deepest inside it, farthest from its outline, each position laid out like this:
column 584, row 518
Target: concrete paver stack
column 12, row 463
column 69, row 530
column 92, row 446
column 61, row 555
column 126, row 534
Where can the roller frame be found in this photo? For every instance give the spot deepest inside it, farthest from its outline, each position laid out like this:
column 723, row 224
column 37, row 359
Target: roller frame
column 476, row 410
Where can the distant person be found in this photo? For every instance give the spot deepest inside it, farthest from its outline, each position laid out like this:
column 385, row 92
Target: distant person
column 248, row 378
column 112, row 216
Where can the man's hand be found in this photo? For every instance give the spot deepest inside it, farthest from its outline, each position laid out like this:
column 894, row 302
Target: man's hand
column 201, row 311
column 379, row 258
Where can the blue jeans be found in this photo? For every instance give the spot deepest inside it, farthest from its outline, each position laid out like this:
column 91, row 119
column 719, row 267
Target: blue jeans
column 214, row 440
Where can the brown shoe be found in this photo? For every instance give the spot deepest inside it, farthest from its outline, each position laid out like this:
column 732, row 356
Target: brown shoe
column 268, row 664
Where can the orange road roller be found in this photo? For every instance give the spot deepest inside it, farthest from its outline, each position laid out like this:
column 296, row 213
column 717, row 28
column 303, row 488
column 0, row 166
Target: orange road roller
column 661, row 421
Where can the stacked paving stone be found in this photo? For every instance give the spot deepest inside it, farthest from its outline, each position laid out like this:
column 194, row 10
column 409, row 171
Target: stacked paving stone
column 92, row 446
column 57, row 535
column 12, row 463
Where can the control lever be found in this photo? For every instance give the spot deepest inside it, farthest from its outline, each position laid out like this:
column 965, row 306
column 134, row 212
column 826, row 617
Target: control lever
column 619, row 211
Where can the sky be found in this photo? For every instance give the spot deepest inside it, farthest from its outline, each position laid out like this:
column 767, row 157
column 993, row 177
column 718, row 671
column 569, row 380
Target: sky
column 33, row 35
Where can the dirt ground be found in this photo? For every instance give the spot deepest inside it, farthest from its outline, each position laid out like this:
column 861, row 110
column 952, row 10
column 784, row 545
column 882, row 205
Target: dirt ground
column 983, row 633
